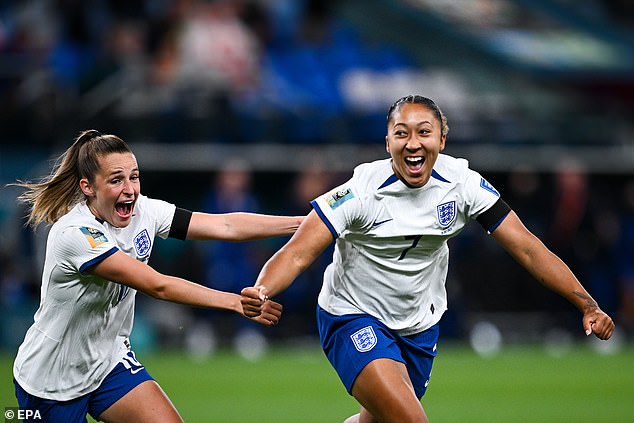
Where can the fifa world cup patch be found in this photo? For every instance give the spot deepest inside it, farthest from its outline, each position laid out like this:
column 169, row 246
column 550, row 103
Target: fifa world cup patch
column 93, row 236
column 142, row 243
column 339, row 197
column 446, row 213
column 364, row 339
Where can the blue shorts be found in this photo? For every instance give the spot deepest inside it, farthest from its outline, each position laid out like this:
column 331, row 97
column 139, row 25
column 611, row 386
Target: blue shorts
column 352, row 341
column 125, row 376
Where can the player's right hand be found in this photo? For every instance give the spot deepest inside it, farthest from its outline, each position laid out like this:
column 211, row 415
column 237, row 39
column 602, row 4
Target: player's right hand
column 252, row 300
column 598, row 322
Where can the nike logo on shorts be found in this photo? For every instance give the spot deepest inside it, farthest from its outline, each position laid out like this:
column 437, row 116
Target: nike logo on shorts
column 137, row 370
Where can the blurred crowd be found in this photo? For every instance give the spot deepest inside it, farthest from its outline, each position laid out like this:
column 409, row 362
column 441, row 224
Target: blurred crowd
column 284, row 71
column 188, row 69
column 287, row 71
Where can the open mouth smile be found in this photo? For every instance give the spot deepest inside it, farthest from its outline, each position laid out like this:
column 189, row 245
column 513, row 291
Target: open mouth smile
column 414, row 164
column 124, row 209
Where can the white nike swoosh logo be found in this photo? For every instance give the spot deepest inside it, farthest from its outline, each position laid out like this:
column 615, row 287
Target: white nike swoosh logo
column 378, row 223
column 135, row 371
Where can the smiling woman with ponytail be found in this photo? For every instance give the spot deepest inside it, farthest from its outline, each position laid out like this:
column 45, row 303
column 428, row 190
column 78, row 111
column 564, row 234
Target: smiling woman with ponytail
column 76, row 358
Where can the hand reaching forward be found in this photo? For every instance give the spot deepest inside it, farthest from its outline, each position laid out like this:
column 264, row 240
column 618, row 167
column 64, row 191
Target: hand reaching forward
column 257, row 306
column 597, row 322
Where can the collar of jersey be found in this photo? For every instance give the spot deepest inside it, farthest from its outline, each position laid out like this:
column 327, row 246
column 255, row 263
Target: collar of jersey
column 393, row 178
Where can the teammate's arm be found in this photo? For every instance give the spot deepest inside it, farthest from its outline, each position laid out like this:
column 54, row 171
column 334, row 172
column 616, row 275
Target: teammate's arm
column 552, row 272
column 310, row 240
column 124, row 269
column 240, row 226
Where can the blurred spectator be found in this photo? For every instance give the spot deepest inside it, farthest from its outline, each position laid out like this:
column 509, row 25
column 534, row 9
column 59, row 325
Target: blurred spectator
column 21, row 260
column 300, row 299
column 584, row 231
column 219, row 52
column 229, row 266
column 298, row 87
column 76, row 48
column 570, row 204
column 526, row 192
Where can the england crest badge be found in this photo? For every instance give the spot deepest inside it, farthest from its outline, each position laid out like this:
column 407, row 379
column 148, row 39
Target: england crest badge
column 364, row 339
column 142, row 243
column 446, row 213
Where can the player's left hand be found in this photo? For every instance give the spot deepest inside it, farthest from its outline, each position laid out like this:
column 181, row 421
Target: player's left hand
column 252, row 300
column 597, row 322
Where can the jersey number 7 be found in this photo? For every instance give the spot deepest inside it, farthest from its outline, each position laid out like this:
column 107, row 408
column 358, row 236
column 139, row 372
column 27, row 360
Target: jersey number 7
column 416, row 238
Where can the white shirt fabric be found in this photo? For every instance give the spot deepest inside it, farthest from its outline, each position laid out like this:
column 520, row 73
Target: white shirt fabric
column 82, row 325
column 391, row 254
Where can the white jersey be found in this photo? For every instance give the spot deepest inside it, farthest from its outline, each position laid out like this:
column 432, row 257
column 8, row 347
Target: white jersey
column 82, row 326
column 391, row 254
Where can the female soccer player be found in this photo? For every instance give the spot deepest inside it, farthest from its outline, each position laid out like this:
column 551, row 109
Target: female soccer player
column 76, row 357
column 384, row 293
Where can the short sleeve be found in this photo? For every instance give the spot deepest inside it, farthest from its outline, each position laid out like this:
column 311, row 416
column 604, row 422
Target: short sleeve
column 162, row 214
column 340, row 208
column 480, row 194
column 79, row 247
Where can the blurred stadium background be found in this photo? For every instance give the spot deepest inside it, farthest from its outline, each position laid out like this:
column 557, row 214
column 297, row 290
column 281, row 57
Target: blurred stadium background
column 261, row 105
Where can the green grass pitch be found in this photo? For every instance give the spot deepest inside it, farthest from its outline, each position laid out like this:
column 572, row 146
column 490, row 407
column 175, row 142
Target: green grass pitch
column 298, row 385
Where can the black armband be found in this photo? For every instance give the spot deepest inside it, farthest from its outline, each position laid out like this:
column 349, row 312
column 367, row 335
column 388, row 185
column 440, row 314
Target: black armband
column 490, row 219
column 180, row 224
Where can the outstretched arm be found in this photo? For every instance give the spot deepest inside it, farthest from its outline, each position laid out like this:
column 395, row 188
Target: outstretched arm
column 240, row 226
column 123, row 269
column 310, row 240
column 552, row 272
